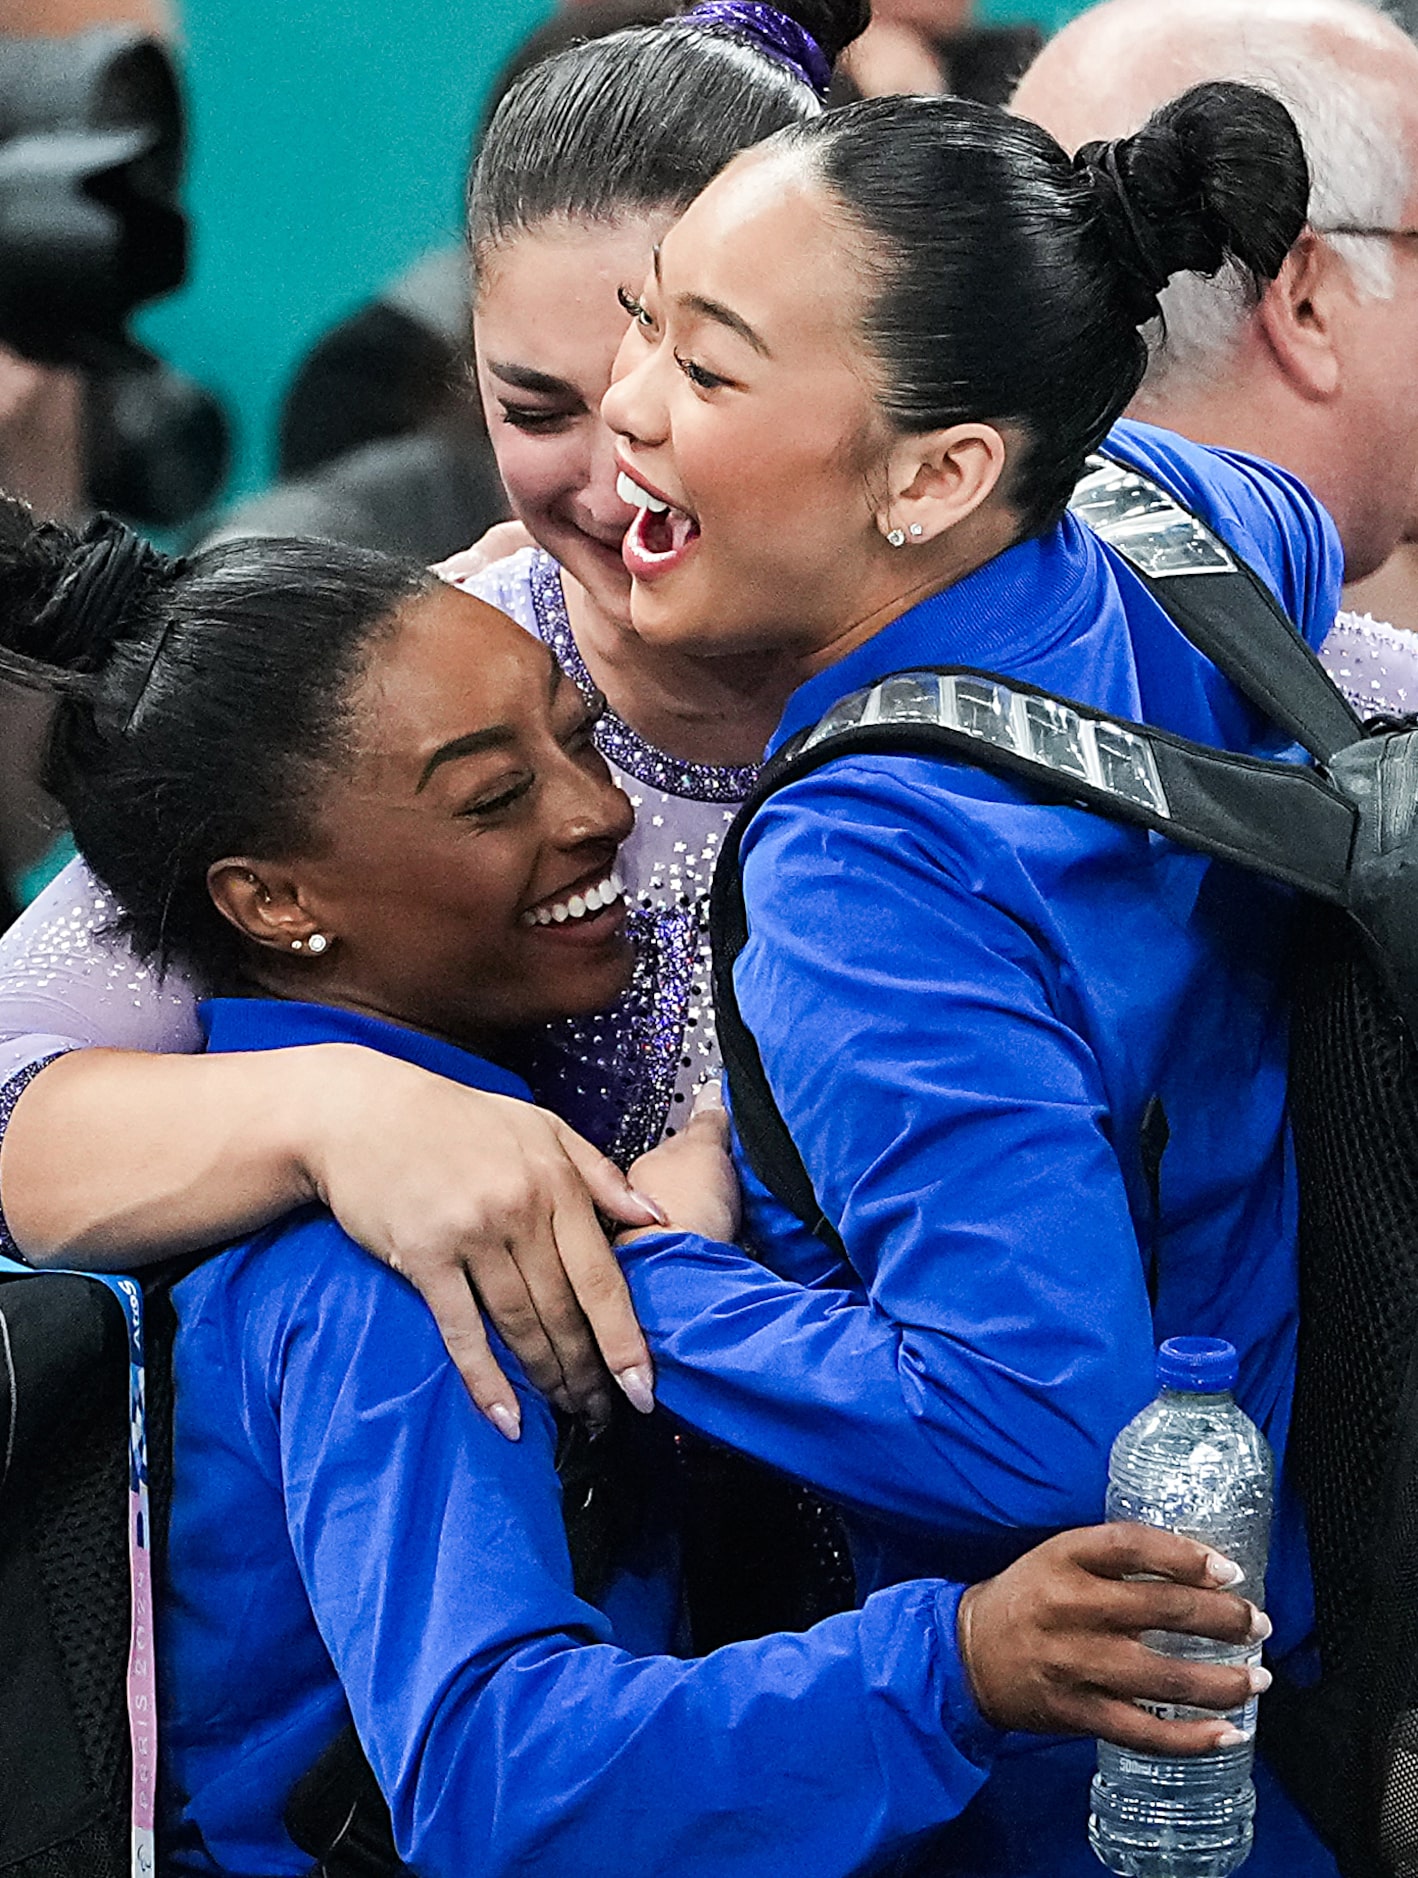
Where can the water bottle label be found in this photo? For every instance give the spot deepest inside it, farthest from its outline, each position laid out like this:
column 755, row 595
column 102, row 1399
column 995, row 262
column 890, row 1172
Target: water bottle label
column 1243, row 1719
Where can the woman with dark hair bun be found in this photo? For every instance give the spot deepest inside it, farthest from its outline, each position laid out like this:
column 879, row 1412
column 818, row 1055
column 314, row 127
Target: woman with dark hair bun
column 584, row 166
column 369, row 810
column 1034, row 1061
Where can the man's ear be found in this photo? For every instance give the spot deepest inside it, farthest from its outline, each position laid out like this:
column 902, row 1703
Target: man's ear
column 937, row 480
column 1299, row 316
column 262, row 900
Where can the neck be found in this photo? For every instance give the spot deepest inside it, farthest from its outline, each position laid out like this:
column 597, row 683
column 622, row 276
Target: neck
column 312, row 985
column 700, row 710
column 1264, row 418
column 906, row 577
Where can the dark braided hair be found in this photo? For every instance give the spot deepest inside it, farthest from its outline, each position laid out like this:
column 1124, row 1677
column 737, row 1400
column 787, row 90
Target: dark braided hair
column 199, row 702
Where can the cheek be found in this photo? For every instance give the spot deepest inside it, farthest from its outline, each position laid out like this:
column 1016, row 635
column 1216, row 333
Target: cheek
column 541, row 473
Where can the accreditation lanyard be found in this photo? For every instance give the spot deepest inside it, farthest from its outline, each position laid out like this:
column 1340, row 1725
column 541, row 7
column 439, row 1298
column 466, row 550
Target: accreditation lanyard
column 142, row 1673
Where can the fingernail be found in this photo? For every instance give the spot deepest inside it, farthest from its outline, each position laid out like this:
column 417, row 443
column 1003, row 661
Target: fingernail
column 709, row 1095
column 1231, row 1738
column 638, row 1382
column 506, row 1421
column 657, row 1213
column 1260, row 1679
column 1223, row 1571
column 1260, row 1626
column 599, row 1410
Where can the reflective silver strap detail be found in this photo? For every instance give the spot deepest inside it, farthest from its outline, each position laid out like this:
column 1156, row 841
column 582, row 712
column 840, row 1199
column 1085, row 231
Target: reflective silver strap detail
column 1041, row 730
column 1145, row 525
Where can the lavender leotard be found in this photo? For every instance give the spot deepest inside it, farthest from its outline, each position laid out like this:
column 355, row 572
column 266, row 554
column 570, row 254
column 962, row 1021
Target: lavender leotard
column 66, row 981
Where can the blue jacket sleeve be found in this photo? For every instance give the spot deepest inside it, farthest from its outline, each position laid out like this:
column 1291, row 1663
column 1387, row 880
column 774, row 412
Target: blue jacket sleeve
column 507, row 1732
column 958, row 1135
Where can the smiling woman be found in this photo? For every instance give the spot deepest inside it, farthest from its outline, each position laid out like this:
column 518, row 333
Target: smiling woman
column 397, row 808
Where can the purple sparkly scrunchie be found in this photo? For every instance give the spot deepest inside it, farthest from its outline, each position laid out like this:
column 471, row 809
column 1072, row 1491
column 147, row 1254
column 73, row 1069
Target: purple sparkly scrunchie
column 774, row 33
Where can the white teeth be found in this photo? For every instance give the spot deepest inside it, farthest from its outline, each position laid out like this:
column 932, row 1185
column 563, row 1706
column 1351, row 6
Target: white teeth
column 594, row 900
column 637, row 498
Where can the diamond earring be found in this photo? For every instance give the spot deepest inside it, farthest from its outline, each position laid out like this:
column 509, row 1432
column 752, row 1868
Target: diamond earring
column 897, row 537
column 316, row 943
column 917, row 530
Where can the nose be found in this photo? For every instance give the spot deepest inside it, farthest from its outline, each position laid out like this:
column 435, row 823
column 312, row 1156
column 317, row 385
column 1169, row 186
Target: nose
column 634, row 409
column 590, row 810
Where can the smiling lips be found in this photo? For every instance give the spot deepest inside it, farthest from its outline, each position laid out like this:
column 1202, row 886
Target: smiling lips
column 591, row 909
column 660, row 537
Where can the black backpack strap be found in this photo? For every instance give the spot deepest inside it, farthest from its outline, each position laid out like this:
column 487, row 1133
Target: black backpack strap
column 338, row 1816
column 1277, row 819
column 1222, row 606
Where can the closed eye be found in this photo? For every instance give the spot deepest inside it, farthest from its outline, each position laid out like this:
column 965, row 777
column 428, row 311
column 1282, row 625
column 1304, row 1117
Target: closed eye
column 637, row 309
column 698, row 375
column 488, row 806
column 528, row 417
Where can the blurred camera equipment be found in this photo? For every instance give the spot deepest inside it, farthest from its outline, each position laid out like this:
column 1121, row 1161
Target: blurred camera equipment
column 91, row 156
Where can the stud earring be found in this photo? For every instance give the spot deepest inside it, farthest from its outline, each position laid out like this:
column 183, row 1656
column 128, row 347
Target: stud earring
column 297, row 945
column 897, row 537
column 317, row 943
column 917, row 530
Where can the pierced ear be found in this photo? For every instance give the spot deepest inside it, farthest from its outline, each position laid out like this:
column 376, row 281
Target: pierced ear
column 1297, row 316
column 940, row 479
column 263, row 902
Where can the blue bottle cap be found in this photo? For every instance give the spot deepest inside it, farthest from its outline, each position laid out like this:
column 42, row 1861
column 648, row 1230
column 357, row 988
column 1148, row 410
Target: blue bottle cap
column 1200, row 1365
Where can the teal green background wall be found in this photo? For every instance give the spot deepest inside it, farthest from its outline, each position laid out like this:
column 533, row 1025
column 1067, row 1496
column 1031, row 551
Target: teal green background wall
column 329, row 143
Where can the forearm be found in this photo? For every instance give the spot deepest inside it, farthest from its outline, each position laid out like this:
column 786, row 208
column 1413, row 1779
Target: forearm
column 891, row 1419
column 116, row 1158
column 821, row 1751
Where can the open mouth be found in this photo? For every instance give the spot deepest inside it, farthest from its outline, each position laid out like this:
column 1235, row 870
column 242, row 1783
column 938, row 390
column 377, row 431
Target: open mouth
column 660, row 537
column 593, row 911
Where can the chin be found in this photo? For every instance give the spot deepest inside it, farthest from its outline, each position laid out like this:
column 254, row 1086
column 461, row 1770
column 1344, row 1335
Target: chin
column 662, row 617
column 598, row 569
column 594, row 988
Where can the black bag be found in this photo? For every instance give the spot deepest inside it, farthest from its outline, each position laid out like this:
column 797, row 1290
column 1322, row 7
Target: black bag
column 1343, row 833
column 75, row 1579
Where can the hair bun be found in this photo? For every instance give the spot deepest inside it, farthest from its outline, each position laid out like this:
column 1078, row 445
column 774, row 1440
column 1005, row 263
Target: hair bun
column 1218, row 174
column 834, row 24
column 805, row 36
column 91, row 606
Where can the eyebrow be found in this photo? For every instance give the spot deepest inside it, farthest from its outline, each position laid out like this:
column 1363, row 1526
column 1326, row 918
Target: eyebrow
column 524, row 378
column 724, row 316
column 495, row 737
column 721, row 315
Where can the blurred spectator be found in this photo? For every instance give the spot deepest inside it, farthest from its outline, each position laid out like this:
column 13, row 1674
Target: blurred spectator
column 1319, row 375
column 57, row 19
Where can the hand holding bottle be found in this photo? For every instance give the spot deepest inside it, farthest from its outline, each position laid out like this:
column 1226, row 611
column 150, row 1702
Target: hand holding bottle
column 1053, row 1644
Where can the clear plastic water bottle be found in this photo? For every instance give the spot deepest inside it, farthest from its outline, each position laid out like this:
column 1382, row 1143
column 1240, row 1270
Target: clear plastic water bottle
column 1194, row 1464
